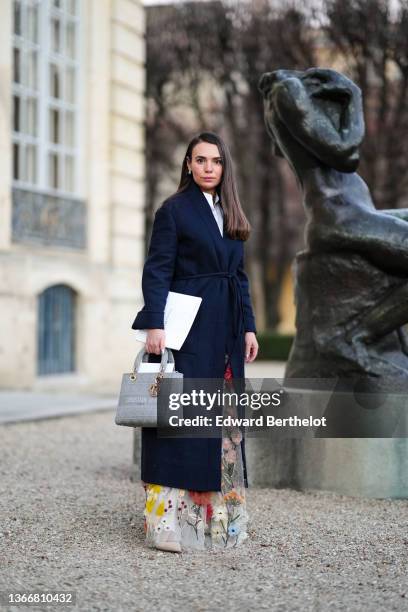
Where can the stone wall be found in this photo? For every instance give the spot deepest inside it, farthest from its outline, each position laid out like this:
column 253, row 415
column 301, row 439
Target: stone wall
column 106, row 275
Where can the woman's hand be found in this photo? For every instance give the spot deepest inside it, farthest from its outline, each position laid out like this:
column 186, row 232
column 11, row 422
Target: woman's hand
column 251, row 346
column 155, row 341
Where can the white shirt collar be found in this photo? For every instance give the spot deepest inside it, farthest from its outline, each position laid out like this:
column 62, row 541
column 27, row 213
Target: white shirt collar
column 209, row 198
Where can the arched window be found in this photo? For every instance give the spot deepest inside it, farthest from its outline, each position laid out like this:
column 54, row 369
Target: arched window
column 56, row 330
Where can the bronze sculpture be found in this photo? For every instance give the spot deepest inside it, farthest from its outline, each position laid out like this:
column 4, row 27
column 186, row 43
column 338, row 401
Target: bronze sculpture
column 351, row 279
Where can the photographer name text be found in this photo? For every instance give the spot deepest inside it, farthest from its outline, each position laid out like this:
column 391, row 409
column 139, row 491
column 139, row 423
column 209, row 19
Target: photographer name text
column 259, row 421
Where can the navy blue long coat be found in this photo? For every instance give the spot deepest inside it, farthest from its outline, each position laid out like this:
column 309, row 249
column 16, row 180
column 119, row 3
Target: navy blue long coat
column 187, row 254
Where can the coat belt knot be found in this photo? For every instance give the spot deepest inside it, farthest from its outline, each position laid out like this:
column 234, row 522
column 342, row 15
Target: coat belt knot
column 235, row 291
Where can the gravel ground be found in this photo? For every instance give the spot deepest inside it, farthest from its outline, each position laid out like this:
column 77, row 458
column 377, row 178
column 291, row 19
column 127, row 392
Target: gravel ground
column 71, row 519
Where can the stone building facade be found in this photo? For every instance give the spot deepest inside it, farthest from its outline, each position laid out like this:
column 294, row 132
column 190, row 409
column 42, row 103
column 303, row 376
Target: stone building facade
column 71, row 191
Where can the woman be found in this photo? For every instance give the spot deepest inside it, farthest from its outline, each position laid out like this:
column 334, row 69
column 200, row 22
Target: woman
column 196, row 487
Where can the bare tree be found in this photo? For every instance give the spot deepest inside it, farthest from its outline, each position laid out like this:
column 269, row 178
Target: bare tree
column 372, row 40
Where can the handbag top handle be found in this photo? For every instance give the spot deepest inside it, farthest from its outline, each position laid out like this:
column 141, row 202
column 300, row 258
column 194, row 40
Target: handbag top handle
column 143, row 355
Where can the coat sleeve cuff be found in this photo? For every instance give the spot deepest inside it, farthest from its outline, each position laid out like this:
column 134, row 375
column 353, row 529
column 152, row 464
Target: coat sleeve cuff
column 148, row 319
column 250, row 326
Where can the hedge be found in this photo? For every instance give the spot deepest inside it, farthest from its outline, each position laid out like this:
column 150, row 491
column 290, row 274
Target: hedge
column 273, row 346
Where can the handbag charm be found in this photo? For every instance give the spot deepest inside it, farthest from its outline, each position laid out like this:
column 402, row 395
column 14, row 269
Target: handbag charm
column 155, row 387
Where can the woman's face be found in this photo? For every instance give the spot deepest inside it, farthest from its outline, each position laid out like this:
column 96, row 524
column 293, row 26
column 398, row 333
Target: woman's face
column 206, row 166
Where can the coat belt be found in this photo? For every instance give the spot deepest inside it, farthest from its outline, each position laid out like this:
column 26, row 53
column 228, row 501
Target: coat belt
column 235, row 291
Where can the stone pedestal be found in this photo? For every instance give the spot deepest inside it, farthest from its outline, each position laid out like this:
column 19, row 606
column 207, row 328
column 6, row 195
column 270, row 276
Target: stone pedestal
column 376, row 468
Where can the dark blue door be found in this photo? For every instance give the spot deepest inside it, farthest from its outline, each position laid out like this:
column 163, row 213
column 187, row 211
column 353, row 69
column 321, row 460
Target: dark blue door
column 56, row 330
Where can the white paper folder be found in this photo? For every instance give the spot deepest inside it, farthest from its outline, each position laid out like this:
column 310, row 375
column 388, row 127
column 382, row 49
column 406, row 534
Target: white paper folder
column 179, row 315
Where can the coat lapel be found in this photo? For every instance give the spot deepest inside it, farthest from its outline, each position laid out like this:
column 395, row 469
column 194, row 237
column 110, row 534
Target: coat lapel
column 208, row 219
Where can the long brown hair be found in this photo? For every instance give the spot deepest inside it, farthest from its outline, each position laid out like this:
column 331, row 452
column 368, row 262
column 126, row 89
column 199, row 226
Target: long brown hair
column 237, row 225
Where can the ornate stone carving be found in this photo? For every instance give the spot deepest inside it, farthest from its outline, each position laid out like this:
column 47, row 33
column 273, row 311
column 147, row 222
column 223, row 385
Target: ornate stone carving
column 48, row 220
